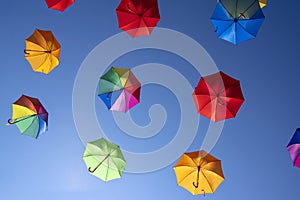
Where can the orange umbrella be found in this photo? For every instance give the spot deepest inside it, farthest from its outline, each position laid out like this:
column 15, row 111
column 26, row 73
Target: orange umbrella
column 199, row 172
column 42, row 51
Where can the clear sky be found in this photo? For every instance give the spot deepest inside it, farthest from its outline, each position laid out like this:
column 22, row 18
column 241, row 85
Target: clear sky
column 252, row 147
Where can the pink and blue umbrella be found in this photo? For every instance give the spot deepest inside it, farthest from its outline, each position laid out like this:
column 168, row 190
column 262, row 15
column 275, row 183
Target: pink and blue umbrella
column 119, row 89
column 294, row 148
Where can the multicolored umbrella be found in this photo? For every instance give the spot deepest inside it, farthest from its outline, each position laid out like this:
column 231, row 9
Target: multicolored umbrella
column 138, row 17
column 29, row 115
column 218, row 96
column 294, row 148
column 199, row 172
column 237, row 20
column 59, row 5
column 104, row 159
column 42, row 51
column 119, row 89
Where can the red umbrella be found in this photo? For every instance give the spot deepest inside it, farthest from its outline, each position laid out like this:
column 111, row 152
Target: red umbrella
column 60, row 5
column 218, row 96
column 138, row 17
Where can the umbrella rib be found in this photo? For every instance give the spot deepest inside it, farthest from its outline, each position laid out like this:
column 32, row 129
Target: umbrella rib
column 246, row 29
column 236, row 6
column 107, row 169
column 208, row 101
column 226, row 27
column 210, row 171
column 227, row 11
column 248, row 7
column 186, row 175
column 206, row 180
column 28, row 126
column 149, row 7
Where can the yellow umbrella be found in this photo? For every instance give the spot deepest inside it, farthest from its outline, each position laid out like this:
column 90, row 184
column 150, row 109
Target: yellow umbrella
column 262, row 3
column 42, row 51
column 199, row 172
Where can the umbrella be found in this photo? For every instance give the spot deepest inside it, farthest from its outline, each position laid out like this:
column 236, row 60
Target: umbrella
column 138, row 17
column 29, row 115
column 60, row 5
column 104, row 159
column 237, row 20
column 218, row 96
column 199, row 172
column 42, row 51
column 294, row 148
column 262, row 3
column 119, row 89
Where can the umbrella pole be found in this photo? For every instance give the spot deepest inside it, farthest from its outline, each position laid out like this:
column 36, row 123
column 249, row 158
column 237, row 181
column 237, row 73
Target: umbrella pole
column 10, row 121
column 242, row 13
column 92, row 171
column 197, row 184
column 27, row 50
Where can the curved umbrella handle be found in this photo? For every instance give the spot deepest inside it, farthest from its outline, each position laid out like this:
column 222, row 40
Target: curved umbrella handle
column 196, row 186
column 26, row 51
column 10, row 121
column 92, row 171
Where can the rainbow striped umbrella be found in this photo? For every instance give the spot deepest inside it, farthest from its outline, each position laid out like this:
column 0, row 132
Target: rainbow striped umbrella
column 29, row 115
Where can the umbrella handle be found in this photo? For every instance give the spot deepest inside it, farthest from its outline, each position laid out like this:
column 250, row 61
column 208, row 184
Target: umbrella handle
column 108, row 95
column 26, row 51
column 196, row 186
column 10, row 121
column 242, row 16
column 92, row 171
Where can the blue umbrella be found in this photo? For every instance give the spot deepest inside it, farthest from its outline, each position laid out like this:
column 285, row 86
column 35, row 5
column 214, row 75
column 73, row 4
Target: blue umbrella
column 237, row 20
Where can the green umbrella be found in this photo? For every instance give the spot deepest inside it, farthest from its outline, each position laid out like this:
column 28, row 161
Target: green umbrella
column 104, row 159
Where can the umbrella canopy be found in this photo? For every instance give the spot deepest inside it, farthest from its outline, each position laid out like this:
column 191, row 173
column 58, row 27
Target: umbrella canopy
column 294, row 148
column 218, row 96
column 237, row 20
column 42, row 51
column 59, row 5
column 29, row 115
column 138, row 17
column 119, row 89
column 199, row 172
column 104, row 159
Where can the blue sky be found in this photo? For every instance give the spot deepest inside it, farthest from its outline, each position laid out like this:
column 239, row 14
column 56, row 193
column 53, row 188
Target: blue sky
column 252, row 146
